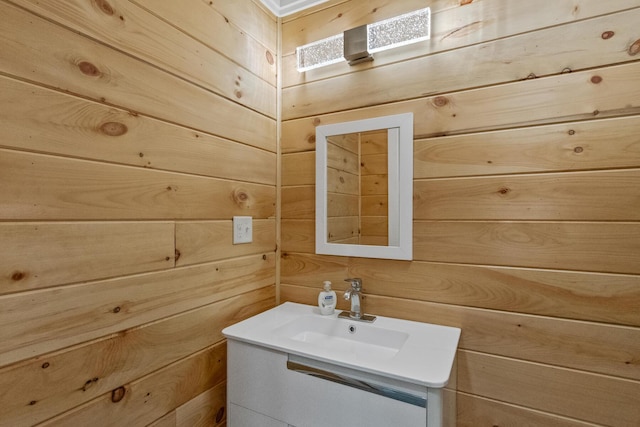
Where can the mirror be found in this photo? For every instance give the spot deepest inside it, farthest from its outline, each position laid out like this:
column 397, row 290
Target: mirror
column 364, row 188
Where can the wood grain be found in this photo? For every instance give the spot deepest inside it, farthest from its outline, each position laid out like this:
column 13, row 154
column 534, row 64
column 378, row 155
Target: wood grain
column 63, row 380
column 512, row 105
column 577, row 196
column 204, row 241
column 85, row 67
column 600, row 399
column 597, row 144
column 147, row 398
column 38, row 255
column 42, row 120
column 51, row 319
column 48, row 187
column 601, row 247
column 129, row 28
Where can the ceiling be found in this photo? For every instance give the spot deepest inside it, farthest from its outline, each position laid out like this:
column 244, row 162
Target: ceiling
column 287, row 7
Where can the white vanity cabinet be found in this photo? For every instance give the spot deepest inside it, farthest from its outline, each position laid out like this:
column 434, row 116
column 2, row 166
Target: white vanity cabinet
column 262, row 391
column 291, row 366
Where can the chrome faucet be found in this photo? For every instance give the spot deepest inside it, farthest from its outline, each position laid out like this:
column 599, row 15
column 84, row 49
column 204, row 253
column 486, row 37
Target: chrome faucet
column 355, row 295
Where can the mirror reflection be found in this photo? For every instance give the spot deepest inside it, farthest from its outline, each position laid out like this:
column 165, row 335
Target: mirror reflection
column 357, row 188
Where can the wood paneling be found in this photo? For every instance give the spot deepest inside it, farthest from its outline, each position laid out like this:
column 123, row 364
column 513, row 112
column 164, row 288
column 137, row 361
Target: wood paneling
column 64, row 379
column 47, row 187
column 130, row 133
column 605, row 92
column 31, row 49
column 526, row 206
column 39, row 255
column 36, row 119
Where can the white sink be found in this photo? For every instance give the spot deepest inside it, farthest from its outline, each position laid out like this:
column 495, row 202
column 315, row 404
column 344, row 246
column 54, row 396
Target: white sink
column 419, row 353
column 360, row 341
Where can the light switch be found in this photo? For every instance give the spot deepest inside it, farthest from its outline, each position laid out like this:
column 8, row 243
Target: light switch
column 242, row 229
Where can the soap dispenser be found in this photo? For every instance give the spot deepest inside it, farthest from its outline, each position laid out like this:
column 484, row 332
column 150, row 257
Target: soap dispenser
column 327, row 299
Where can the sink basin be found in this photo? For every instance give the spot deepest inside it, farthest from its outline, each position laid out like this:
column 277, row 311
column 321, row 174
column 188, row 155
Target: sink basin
column 361, row 341
column 419, row 353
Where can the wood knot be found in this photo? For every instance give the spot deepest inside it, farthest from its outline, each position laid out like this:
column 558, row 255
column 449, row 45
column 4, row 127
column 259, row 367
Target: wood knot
column 238, row 93
column 440, row 101
column 311, row 139
column 571, row 132
column 269, row 56
column 104, row 6
column 634, row 48
column 177, row 255
column 89, row 383
column 45, row 365
column 264, row 257
column 504, row 190
column 117, row 309
column 578, row 150
column 220, row 415
column 113, row 128
column 33, row 402
column 596, row 79
column 463, row 2
column 531, row 76
column 88, row 69
column 118, row 394
column 607, row 35
column 316, row 121
column 17, row 276
column 566, row 70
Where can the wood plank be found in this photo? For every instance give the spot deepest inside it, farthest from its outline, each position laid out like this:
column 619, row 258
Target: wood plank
column 63, row 380
column 528, row 102
column 299, row 202
column 475, row 410
column 149, row 397
column 585, row 396
column 466, row 68
column 598, row 247
column 38, row 255
column 299, row 169
column 298, row 235
column 315, row 268
column 576, row 196
column 38, row 119
column 46, row 187
column 203, row 241
column 32, row 50
column 47, row 320
column 598, row 144
column 605, row 298
column 208, row 409
column 238, row 30
column 126, row 27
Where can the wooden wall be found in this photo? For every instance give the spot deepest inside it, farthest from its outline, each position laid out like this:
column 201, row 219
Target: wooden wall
column 526, row 195
column 130, row 134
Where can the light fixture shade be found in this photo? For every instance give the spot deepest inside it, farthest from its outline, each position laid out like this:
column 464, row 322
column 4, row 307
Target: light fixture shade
column 320, row 53
column 401, row 30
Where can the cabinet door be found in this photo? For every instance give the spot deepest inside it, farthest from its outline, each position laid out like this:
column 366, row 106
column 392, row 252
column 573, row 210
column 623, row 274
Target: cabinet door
column 258, row 379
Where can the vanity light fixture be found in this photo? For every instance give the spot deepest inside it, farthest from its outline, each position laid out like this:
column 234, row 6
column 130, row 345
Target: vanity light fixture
column 357, row 44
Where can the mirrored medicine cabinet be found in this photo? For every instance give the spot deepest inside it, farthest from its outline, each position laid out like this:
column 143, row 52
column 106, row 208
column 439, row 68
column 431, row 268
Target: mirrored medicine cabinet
column 364, row 188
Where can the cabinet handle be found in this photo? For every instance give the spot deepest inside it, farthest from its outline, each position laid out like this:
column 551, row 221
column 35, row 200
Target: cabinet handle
column 379, row 389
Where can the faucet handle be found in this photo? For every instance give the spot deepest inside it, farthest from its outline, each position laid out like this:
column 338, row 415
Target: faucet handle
column 356, row 283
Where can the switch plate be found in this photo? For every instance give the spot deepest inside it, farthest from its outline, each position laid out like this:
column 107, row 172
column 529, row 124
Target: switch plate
column 242, row 229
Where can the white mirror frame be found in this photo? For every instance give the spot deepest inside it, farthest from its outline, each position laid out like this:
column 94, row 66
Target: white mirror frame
column 400, row 179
